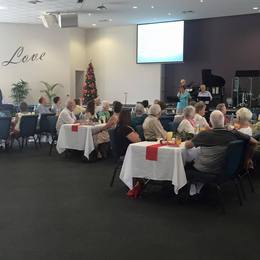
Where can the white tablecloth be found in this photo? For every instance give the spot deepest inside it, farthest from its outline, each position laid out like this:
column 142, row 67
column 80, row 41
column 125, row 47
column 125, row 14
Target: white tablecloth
column 169, row 166
column 81, row 140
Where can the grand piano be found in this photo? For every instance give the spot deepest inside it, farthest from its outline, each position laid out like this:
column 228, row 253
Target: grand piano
column 215, row 84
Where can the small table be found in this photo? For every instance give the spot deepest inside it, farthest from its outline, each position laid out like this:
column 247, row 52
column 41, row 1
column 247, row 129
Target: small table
column 168, row 167
column 82, row 140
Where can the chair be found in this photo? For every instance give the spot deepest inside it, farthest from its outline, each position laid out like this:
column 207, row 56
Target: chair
column 8, row 107
column 44, row 126
column 5, row 124
column 117, row 158
column 52, row 121
column 5, row 113
column 165, row 121
column 140, row 131
column 28, row 126
column 234, row 157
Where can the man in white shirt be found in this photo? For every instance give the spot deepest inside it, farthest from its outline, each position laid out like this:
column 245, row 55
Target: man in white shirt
column 204, row 93
column 66, row 116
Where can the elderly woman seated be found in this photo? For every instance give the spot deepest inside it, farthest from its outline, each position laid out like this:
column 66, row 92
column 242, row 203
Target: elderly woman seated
column 104, row 114
column 199, row 118
column 222, row 107
column 188, row 123
column 244, row 115
column 139, row 116
column 152, row 126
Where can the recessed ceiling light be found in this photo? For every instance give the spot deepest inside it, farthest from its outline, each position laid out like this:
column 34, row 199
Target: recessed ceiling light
column 93, row 24
column 3, row 8
column 169, row 13
column 152, row 6
column 135, row 7
column 110, row 20
column 202, row 1
column 89, row 14
column 256, row 8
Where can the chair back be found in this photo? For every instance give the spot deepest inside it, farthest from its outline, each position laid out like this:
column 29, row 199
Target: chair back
column 5, row 124
column 44, row 123
column 235, row 156
column 140, row 131
column 173, row 126
column 5, row 113
column 8, row 107
column 52, row 121
column 112, row 137
column 166, row 120
column 28, row 125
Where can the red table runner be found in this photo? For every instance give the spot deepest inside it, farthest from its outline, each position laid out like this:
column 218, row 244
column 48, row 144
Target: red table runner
column 75, row 128
column 152, row 151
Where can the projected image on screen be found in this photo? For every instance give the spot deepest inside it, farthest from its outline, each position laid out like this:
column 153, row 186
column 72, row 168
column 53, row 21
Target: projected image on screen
column 160, row 42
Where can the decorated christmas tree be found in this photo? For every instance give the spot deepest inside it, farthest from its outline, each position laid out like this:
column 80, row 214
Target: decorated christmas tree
column 89, row 87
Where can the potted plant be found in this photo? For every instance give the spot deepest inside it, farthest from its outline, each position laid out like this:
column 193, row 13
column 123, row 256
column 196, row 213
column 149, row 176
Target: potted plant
column 19, row 91
column 49, row 90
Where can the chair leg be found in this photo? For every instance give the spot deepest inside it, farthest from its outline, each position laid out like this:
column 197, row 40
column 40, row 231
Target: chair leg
column 35, row 142
column 220, row 199
column 22, row 143
column 242, row 187
column 51, row 147
column 250, row 182
column 114, row 174
column 238, row 192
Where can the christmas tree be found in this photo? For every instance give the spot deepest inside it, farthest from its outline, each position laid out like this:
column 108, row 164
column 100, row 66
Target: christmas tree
column 89, row 87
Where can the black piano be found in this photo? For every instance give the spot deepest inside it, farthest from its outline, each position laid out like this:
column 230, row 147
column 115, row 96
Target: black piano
column 215, row 85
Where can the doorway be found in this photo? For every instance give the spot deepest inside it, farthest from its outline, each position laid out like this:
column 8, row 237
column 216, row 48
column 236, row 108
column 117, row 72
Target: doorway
column 80, row 77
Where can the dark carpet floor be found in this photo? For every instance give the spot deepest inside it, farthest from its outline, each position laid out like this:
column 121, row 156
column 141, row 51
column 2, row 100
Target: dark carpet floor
column 57, row 209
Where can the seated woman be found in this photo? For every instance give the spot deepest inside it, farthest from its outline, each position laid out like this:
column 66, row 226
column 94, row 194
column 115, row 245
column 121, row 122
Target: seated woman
column 79, row 109
column 56, row 107
column 188, row 123
column 23, row 112
column 244, row 116
column 199, row 118
column 104, row 114
column 90, row 111
column 152, row 126
column 124, row 133
column 222, row 107
column 139, row 116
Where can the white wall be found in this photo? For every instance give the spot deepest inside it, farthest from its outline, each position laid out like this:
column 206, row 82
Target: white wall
column 65, row 52
column 113, row 52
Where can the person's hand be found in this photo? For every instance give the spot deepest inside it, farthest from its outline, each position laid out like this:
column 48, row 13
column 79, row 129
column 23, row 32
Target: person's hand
column 249, row 164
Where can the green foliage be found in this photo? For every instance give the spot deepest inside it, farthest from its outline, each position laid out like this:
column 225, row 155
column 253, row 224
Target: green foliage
column 185, row 136
column 19, row 91
column 49, row 90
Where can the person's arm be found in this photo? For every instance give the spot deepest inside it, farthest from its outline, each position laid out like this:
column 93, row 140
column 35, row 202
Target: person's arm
column 250, row 152
column 210, row 96
column 133, row 137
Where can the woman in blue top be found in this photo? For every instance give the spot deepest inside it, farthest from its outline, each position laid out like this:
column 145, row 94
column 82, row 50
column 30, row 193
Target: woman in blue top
column 184, row 97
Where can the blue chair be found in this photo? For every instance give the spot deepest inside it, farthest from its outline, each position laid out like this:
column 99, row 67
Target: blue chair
column 5, row 124
column 28, row 126
column 44, row 126
column 8, row 107
column 116, row 156
column 235, row 156
column 5, row 113
column 173, row 126
column 140, row 131
column 165, row 121
column 52, row 121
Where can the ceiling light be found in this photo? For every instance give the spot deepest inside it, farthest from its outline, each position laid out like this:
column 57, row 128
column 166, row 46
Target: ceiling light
column 202, row 1
column 152, row 7
column 89, row 14
column 3, row 8
column 94, row 25
column 256, row 8
column 169, row 14
column 135, row 7
column 110, row 20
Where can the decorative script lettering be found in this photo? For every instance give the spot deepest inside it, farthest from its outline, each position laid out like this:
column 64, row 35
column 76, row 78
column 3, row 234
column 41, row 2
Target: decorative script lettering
column 19, row 57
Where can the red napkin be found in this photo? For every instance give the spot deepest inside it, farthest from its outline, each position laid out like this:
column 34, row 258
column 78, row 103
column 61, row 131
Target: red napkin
column 75, row 128
column 152, row 152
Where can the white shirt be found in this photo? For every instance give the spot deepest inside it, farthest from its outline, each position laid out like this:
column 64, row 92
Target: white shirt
column 201, row 121
column 186, row 126
column 246, row 130
column 65, row 117
column 205, row 94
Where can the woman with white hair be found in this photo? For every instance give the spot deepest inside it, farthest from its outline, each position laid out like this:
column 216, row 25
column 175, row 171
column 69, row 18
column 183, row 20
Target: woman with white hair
column 152, row 126
column 139, row 116
column 104, row 114
column 188, row 123
column 244, row 115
